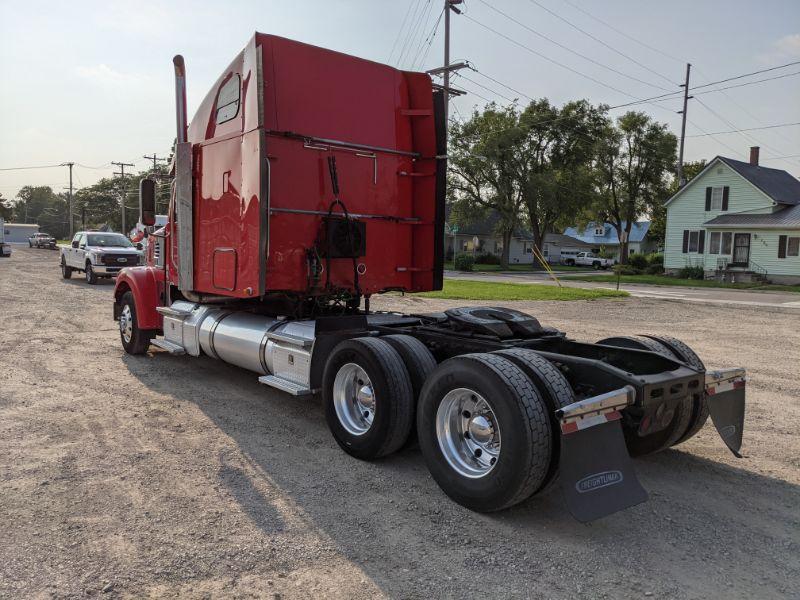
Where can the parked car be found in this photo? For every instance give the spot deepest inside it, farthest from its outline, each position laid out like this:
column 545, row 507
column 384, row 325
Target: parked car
column 42, row 240
column 99, row 254
column 589, row 259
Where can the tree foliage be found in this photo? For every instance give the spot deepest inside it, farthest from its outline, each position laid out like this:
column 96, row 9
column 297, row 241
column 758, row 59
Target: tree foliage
column 658, row 212
column 633, row 164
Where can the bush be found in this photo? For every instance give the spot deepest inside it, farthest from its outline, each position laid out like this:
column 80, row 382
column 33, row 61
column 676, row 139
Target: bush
column 463, row 262
column 637, row 261
column 654, row 269
column 691, row 272
column 484, row 258
column 656, row 258
column 627, row 270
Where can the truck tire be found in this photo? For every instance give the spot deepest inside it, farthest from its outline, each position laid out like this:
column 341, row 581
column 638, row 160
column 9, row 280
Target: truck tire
column 369, row 402
column 596, row 265
column 664, row 438
column 134, row 340
column 30, row 244
column 484, row 432
column 419, row 363
column 66, row 272
column 699, row 413
column 91, row 277
column 554, row 389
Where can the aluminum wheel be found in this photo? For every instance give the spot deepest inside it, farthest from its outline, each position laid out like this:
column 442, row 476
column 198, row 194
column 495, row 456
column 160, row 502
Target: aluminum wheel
column 126, row 323
column 354, row 399
column 468, row 433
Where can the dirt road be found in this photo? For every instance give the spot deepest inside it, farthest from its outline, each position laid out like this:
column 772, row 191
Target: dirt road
column 175, row 476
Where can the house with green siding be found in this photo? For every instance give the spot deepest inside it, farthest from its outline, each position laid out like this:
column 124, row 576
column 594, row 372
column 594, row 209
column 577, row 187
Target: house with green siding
column 738, row 220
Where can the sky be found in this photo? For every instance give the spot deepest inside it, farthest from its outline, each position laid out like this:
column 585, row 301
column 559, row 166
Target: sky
column 92, row 82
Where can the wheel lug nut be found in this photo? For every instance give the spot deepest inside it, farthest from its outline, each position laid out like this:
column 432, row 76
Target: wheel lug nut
column 478, row 453
column 466, row 414
column 466, row 435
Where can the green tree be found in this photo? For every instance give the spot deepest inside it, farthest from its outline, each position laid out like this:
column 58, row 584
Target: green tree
column 6, row 208
column 555, row 172
column 484, row 160
column 634, row 161
column 658, row 212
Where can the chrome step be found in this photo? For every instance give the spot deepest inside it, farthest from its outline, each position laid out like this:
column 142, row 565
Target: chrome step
column 288, row 338
column 168, row 346
column 295, row 389
column 172, row 312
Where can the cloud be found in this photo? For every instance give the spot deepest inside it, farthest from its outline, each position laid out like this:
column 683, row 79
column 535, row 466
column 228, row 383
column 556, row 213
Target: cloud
column 785, row 48
column 104, row 75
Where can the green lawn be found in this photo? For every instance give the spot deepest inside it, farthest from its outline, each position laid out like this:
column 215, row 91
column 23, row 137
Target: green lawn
column 676, row 281
column 482, row 268
column 460, row 289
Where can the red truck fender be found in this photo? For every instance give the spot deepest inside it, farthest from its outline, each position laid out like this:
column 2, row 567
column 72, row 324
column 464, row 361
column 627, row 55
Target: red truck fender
column 145, row 283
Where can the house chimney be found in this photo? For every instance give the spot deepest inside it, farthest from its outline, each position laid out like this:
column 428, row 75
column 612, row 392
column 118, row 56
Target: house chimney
column 754, row 155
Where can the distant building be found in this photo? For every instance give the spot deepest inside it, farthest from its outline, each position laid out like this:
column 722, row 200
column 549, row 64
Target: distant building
column 18, row 233
column 738, row 220
column 603, row 236
column 559, row 248
column 482, row 238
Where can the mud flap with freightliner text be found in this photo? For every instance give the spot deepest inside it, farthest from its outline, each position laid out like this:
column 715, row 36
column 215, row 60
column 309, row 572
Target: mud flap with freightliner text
column 725, row 392
column 596, row 471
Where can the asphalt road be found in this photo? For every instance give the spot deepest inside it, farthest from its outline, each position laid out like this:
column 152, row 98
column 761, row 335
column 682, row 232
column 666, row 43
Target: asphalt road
column 173, row 476
column 718, row 296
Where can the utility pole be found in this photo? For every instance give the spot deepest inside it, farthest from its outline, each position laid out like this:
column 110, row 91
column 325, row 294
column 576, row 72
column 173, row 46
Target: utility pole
column 70, row 165
column 448, row 6
column 686, row 98
column 155, row 160
column 121, row 173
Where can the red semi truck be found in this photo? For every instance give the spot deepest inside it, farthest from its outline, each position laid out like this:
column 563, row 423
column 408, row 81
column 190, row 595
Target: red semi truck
column 309, row 180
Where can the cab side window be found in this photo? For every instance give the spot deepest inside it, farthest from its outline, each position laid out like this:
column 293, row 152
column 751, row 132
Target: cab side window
column 228, row 100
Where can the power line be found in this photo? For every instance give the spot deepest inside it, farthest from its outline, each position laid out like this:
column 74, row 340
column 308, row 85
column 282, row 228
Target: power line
column 28, row 168
column 624, row 34
column 429, row 41
column 747, row 129
column 488, row 89
column 547, row 58
column 599, row 41
column 508, row 87
column 568, row 49
column 399, row 33
column 416, row 23
column 791, row 64
column 424, row 38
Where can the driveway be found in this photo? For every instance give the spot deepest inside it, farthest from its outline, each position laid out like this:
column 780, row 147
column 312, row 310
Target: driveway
column 718, row 296
column 173, row 476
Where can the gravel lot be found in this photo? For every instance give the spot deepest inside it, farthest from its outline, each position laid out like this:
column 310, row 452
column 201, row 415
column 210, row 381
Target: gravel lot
column 166, row 476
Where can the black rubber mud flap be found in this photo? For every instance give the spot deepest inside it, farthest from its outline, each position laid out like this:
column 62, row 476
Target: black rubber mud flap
column 725, row 394
column 596, row 471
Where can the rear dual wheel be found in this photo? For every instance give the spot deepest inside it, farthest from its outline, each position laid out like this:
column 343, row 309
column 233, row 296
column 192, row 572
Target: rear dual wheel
column 689, row 415
column 484, row 431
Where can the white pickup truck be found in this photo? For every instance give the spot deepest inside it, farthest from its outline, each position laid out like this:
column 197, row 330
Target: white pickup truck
column 5, row 249
column 589, row 259
column 98, row 254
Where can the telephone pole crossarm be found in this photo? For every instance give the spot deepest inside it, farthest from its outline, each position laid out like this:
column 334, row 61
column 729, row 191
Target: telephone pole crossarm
column 121, row 173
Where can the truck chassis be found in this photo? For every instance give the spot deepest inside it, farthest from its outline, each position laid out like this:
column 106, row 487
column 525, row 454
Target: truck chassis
column 501, row 406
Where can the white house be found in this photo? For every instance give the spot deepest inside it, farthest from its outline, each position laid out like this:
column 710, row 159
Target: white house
column 738, row 220
column 481, row 238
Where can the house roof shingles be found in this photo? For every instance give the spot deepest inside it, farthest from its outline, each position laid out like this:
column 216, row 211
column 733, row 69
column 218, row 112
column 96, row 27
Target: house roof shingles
column 786, row 218
column 775, row 183
column 638, row 232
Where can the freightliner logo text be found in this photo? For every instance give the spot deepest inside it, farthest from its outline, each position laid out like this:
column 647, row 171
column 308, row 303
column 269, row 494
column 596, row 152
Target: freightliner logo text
column 596, row 481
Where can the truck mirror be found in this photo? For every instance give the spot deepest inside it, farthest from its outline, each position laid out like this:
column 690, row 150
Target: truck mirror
column 74, row 243
column 147, row 202
column 139, row 246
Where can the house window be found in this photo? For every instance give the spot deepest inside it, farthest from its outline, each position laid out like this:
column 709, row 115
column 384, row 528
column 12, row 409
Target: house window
column 498, row 247
column 727, row 239
column 599, row 230
column 793, row 246
column 228, row 100
column 714, row 243
column 716, row 198
column 694, row 240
